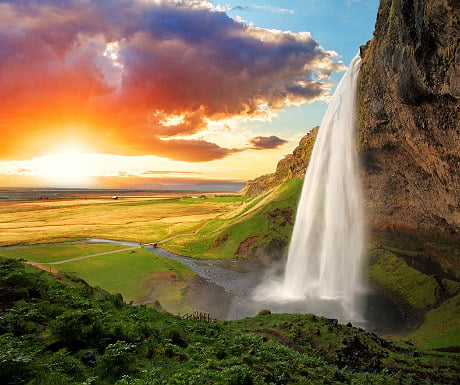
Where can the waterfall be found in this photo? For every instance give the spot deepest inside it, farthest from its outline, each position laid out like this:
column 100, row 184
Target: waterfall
column 325, row 254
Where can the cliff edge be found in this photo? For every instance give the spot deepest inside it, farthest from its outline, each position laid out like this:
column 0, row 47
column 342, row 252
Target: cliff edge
column 291, row 166
column 408, row 116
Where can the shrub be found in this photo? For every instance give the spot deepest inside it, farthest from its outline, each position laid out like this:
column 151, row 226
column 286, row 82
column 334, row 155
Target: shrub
column 16, row 359
column 78, row 328
column 118, row 359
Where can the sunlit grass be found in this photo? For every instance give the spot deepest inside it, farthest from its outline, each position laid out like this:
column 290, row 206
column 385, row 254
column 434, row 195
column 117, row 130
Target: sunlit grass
column 221, row 239
column 54, row 253
column 138, row 274
column 125, row 219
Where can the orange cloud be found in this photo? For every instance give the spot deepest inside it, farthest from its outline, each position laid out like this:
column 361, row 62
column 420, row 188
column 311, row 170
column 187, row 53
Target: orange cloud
column 266, row 142
column 116, row 75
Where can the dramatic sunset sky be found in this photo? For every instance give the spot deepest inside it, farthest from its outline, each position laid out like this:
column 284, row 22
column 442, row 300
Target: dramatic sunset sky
column 161, row 93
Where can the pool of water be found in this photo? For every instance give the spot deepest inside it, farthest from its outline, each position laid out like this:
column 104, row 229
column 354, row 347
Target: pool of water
column 225, row 290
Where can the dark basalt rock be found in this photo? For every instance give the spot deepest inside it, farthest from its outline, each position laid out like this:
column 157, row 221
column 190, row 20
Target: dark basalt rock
column 357, row 357
column 89, row 358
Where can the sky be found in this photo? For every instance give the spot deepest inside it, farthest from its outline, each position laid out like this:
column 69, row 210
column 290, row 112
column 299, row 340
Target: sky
column 166, row 93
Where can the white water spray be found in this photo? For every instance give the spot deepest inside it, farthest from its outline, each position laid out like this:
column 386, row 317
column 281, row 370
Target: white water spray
column 325, row 254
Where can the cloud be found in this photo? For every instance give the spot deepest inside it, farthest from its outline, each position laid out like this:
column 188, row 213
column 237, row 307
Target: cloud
column 240, row 8
column 266, row 142
column 116, row 74
column 274, row 9
column 169, row 172
column 268, row 8
column 23, row 170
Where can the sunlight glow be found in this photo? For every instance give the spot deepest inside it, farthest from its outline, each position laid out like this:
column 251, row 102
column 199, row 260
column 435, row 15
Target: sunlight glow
column 67, row 165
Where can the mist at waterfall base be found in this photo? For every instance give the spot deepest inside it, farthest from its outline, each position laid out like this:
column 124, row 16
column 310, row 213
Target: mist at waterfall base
column 324, row 269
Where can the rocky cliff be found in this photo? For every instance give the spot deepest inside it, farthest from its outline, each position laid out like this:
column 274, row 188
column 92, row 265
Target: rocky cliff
column 408, row 116
column 291, row 166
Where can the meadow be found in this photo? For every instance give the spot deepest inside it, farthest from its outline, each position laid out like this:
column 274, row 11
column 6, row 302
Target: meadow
column 146, row 219
column 52, row 233
column 139, row 275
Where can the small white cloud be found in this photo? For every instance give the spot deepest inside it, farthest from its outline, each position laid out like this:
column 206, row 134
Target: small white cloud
column 272, row 9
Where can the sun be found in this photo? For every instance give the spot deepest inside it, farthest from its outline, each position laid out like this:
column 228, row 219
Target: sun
column 68, row 164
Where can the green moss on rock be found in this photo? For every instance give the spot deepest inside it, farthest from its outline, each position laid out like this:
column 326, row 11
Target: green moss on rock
column 452, row 287
column 441, row 327
column 418, row 290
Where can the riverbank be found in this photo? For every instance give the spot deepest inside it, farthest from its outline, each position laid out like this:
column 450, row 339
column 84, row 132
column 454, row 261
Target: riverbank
column 223, row 288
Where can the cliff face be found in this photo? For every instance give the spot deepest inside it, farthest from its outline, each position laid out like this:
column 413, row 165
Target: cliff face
column 408, row 116
column 291, row 166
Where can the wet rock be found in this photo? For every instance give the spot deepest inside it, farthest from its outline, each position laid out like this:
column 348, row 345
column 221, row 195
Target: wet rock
column 89, row 358
column 332, row 321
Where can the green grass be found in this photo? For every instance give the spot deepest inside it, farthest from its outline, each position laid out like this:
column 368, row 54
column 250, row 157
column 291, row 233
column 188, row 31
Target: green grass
column 221, row 239
column 261, row 224
column 49, row 324
column 409, row 285
column 54, row 253
column 452, row 287
column 135, row 274
column 441, row 326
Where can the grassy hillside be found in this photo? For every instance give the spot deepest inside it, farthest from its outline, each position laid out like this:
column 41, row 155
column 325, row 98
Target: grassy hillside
column 139, row 275
column 263, row 225
column 426, row 290
column 58, row 330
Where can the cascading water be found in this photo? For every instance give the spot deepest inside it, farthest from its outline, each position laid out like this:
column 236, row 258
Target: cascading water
column 325, row 255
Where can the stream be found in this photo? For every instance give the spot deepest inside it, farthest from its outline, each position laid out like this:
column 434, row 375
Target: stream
column 224, row 288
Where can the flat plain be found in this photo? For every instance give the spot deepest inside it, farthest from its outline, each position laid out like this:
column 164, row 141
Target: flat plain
column 144, row 219
column 53, row 233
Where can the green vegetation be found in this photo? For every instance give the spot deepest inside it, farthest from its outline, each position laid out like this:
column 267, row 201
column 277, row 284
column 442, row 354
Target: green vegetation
column 441, row 327
column 54, row 253
column 414, row 289
column 135, row 272
column 452, row 287
column 417, row 290
column 62, row 331
column 265, row 220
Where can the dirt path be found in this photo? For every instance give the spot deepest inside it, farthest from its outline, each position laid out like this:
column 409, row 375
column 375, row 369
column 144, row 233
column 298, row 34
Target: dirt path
column 180, row 235
column 40, row 266
column 84, row 257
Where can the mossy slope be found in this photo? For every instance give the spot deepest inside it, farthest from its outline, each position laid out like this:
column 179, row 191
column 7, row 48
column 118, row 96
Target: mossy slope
column 59, row 330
